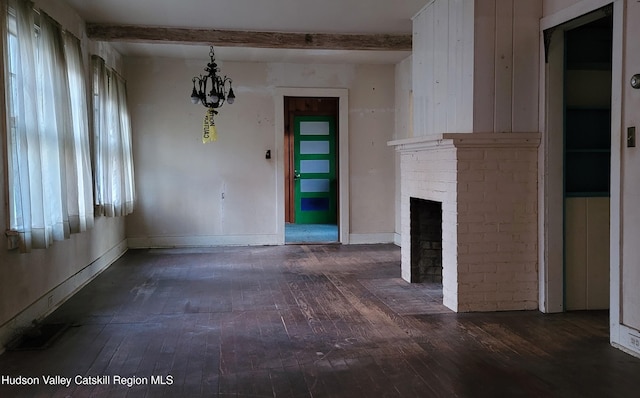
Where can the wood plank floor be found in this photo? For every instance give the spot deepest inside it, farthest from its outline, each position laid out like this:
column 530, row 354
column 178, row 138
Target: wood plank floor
column 308, row 321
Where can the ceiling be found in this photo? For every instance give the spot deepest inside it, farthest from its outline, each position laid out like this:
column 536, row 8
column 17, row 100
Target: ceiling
column 302, row 16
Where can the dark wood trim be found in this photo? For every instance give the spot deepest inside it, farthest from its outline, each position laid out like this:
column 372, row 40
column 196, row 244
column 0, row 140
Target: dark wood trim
column 240, row 38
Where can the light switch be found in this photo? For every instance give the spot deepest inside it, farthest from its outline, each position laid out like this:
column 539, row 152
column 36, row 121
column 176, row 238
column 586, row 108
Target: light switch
column 631, row 137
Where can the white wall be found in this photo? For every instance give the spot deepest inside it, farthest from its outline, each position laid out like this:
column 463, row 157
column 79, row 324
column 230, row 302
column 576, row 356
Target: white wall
column 629, row 217
column 34, row 284
column 181, row 182
column 404, row 126
column 630, row 186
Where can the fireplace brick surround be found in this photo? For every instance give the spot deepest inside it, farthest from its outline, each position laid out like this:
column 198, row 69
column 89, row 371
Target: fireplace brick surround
column 487, row 184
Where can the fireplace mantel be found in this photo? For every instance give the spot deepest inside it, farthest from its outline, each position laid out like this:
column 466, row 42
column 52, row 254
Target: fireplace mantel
column 470, row 140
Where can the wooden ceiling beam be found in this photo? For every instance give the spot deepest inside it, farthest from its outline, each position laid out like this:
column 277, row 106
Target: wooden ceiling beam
column 240, row 38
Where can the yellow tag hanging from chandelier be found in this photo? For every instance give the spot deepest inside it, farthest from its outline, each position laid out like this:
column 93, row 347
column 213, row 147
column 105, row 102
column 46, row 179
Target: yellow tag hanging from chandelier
column 209, row 132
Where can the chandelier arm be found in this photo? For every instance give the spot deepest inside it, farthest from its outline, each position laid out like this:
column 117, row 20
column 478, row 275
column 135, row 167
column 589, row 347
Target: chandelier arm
column 203, row 92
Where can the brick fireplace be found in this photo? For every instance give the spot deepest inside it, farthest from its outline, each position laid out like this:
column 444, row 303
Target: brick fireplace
column 486, row 187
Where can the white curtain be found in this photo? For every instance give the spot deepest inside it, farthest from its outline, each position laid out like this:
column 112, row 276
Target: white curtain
column 80, row 195
column 48, row 139
column 113, row 160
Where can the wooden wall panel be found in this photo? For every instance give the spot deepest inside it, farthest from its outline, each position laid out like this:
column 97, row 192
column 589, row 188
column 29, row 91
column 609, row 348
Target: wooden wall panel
column 441, row 50
column 506, row 54
column 422, row 70
column 442, row 67
column 587, row 253
column 455, row 63
column 504, row 73
column 475, row 66
column 576, row 254
column 466, row 49
column 598, row 253
column 484, row 66
column 526, row 64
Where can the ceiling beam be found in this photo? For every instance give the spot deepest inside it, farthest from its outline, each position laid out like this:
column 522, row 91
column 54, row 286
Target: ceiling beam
column 241, row 38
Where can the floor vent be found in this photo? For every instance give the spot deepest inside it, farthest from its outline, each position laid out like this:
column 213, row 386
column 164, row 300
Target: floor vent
column 39, row 337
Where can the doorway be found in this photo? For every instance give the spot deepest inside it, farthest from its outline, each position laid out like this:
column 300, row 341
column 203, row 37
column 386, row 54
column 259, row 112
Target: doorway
column 587, row 164
column 577, row 159
column 311, row 168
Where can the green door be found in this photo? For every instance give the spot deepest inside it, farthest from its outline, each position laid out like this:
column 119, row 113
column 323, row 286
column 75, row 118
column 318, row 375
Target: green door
column 315, row 170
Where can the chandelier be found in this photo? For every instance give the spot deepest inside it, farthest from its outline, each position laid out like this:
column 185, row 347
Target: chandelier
column 212, row 91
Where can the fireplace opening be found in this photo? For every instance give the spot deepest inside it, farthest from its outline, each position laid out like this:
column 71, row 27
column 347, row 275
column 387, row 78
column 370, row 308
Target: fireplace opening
column 426, row 240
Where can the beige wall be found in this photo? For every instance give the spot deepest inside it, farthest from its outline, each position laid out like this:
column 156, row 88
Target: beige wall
column 224, row 192
column 34, row 284
column 371, row 165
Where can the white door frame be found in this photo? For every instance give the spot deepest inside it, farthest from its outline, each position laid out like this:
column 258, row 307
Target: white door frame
column 343, row 153
column 621, row 336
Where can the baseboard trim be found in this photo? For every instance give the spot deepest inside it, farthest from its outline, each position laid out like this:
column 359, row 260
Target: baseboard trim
column 368, row 239
column 204, row 241
column 625, row 339
column 57, row 296
column 397, row 239
column 158, row 242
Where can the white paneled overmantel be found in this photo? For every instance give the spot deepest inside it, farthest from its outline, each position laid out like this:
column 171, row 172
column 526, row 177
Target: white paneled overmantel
column 475, row 66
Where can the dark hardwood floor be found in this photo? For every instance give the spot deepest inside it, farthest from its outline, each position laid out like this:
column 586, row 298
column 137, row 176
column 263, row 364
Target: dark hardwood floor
column 307, row 321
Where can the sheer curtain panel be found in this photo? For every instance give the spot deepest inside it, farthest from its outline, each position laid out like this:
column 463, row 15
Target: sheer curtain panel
column 80, row 194
column 113, row 160
column 48, row 139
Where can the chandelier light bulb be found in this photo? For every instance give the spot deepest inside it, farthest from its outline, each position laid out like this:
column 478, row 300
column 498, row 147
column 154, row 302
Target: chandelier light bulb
column 232, row 97
column 195, row 98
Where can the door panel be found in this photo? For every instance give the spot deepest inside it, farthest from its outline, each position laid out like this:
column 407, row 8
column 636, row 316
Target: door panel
column 315, row 170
